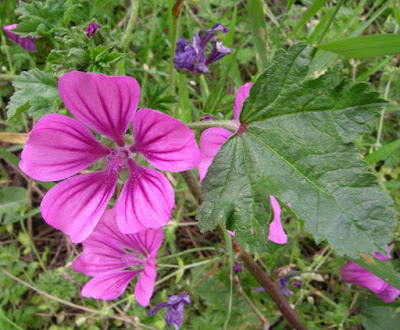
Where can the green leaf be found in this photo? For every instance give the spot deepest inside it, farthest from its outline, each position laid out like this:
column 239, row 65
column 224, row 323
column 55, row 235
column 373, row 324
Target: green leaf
column 383, row 152
column 315, row 7
column 12, row 199
column 377, row 315
column 36, row 92
column 258, row 29
column 365, row 46
column 380, row 269
column 296, row 143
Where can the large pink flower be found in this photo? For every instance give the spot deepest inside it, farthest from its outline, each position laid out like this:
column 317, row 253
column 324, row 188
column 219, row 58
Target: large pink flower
column 355, row 274
column 212, row 139
column 27, row 43
column 113, row 259
column 59, row 147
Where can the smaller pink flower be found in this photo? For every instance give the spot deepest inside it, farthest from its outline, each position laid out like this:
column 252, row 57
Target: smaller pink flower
column 232, row 233
column 212, row 139
column 27, row 43
column 113, row 259
column 355, row 274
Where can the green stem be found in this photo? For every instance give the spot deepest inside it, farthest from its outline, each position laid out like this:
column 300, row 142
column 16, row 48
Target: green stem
column 380, row 128
column 134, row 8
column 7, row 77
column 185, row 252
column 340, row 2
column 202, row 125
column 176, row 9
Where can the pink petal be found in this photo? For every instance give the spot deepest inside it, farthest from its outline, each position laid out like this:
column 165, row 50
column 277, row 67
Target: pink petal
column 27, row 43
column 75, row 205
column 389, row 294
column 276, row 232
column 109, row 286
column 242, row 94
column 355, row 274
column 167, row 144
column 146, row 201
column 211, row 140
column 59, row 147
column 232, row 233
column 105, row 104
column 145, row 285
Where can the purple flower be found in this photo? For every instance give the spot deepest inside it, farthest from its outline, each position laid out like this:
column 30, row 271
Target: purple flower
column 191, row 58
column 355, row 274
column 91, row 29
column 237, row 268
column 174, row 313
column 114, row 259
column 212, row 139
column 60, row 147
column 284, row 285
column 207, row 117
column 27, row 43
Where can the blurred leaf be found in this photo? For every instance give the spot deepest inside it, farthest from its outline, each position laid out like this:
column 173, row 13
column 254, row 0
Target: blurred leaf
column 383, row 152
column 12, row 199
column 365, row 46
column 36, row 92
column 377, row 315
column 258, row 29
column 315, row 7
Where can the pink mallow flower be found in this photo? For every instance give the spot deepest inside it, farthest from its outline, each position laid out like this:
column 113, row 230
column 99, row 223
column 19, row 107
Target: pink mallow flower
column 212, row 139
column 27, row 43
column 59, row 147
column 355, row 274
column 113, row 259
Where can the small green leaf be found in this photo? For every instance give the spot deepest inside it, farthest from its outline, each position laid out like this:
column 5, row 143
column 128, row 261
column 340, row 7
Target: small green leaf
column 296, row 143
column 365, row 46
column 383, row 152
column 12, row 199
column 36, row 92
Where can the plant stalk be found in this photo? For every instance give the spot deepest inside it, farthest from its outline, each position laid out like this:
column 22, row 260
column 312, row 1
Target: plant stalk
column 134, row 8
column 202, row 125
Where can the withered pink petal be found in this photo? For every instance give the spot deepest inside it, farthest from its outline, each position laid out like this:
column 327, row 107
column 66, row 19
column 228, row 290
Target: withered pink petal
column 211, row 140
column 75, row 205
column 108, row 286
column 105, row 104
column 241, row 95
column 146, row 200
column 167, row 144
column 389, row 294
column 145, row 285
column 276, row 232
column 27, row 43
column 59, row 147
column 355, row 274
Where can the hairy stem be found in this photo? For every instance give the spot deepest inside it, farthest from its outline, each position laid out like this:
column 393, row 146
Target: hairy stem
column 202, row 125
column 259, row 274
column 134, row 8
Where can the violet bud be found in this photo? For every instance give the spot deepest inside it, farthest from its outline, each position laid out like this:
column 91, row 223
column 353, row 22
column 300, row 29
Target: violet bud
column 175, row 308
column 91, row 29
column 237, row 268
column 27, row 43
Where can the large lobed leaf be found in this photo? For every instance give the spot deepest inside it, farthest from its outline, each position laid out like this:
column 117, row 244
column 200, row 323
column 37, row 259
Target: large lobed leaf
column 296, row 143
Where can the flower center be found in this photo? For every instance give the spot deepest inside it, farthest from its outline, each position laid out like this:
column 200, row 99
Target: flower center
column 117, row 159
column 133, row 259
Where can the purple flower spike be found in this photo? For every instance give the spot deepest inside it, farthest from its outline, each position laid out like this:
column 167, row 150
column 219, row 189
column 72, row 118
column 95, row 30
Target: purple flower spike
column 114, row 259
column 27, row 43
column 237, row 268
column 355, row 274
column 174, row 313
column 191, row 58
column 91, row 29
